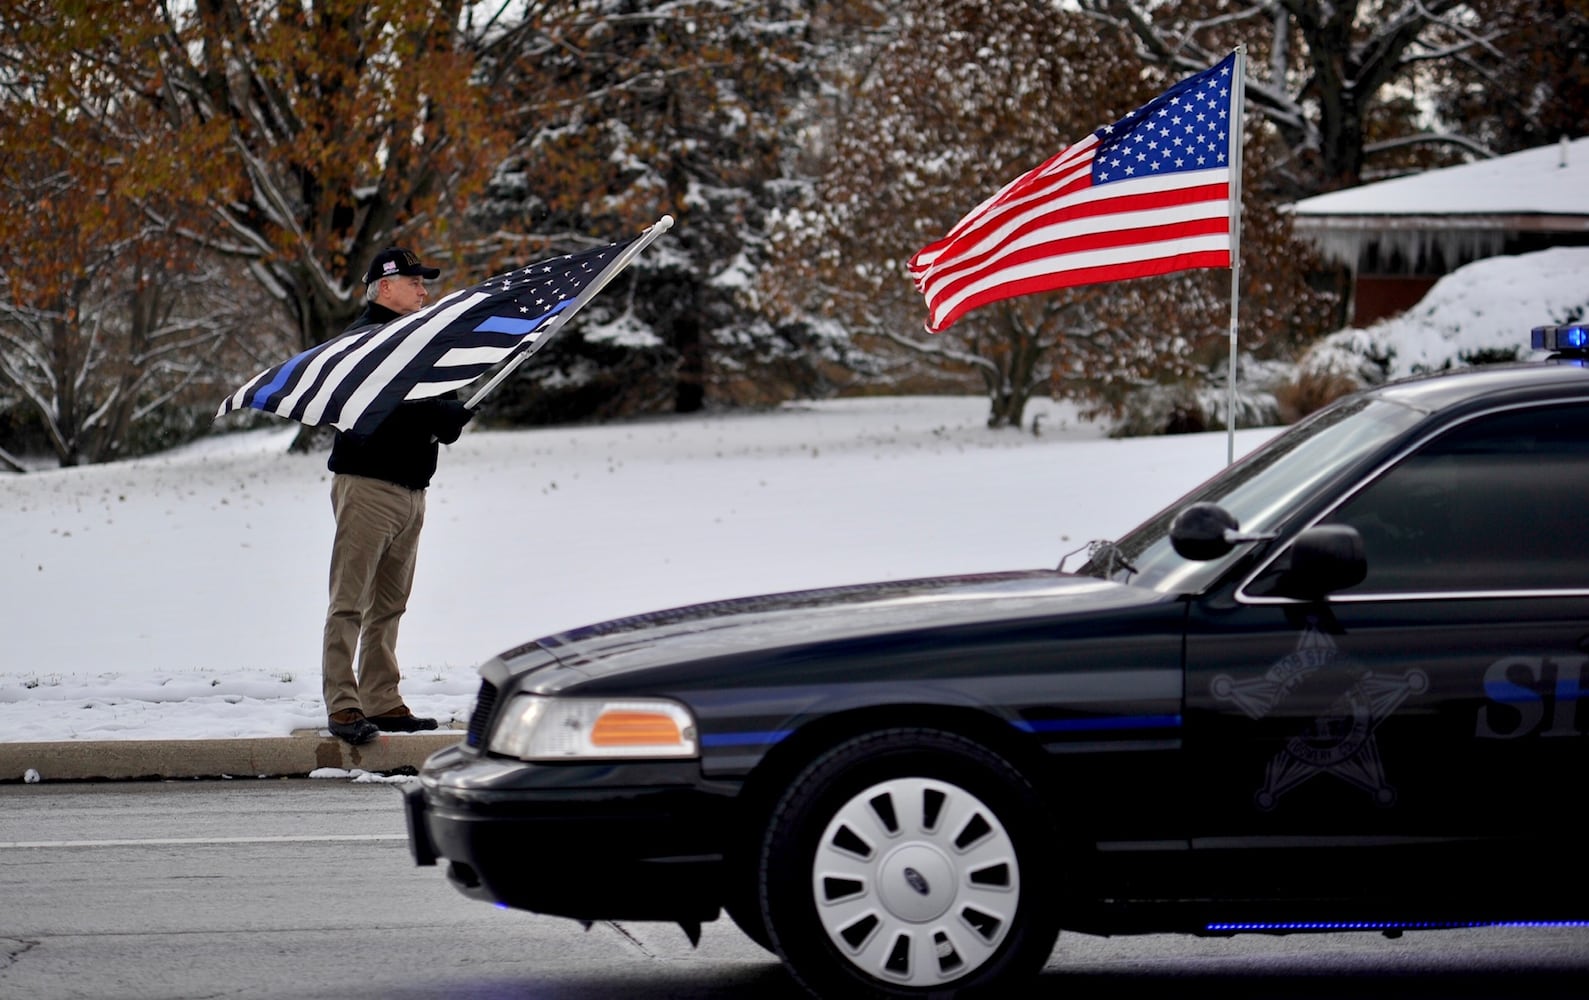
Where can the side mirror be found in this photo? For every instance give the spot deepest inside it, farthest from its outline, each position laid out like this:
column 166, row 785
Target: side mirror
column 1204, row 531
column 1324, row 559
column 1198, row 532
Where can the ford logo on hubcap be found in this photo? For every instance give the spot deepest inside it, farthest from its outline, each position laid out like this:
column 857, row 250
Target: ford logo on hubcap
column 913, row 878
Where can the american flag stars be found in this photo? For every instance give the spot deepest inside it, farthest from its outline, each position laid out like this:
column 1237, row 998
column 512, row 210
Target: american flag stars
column 1179, row 131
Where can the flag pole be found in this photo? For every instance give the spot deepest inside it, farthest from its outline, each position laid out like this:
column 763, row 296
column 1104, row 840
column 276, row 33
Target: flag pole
column 1236, row 102
column 620, row 262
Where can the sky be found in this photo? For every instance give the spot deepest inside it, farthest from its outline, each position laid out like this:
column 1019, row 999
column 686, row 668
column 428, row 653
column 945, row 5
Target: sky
column 181, row 596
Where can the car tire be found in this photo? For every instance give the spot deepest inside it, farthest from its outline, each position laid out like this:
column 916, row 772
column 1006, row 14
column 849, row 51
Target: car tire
column 743, row 906
column 908, row 862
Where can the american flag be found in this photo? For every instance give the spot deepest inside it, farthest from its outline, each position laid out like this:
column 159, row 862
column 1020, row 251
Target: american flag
column 1147, row 195
column 353, row 381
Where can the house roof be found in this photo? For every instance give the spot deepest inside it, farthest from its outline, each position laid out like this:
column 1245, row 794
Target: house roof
column 1466, row 212
column 1548, row 180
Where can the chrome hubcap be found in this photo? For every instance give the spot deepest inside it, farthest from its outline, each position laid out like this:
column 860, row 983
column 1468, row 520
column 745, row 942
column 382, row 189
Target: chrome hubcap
column 916, row 881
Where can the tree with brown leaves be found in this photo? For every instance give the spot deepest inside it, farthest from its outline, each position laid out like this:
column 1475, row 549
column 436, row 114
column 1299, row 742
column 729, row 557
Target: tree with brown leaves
column 106, row 314
column 286, row 141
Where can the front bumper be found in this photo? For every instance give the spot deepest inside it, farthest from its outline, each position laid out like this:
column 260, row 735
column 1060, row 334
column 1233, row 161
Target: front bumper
column 592, row 841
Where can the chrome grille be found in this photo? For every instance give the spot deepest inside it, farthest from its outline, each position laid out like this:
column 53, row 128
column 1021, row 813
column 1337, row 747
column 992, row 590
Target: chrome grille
column 484, row 704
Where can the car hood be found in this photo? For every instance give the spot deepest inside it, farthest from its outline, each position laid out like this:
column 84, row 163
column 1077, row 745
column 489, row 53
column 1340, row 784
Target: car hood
column 772, row 622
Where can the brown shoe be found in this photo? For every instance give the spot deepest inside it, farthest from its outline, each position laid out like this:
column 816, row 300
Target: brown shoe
column 402, row 720
column 351, row 726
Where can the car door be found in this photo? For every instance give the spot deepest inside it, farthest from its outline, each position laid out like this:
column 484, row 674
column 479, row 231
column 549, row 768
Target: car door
column 1415, row 740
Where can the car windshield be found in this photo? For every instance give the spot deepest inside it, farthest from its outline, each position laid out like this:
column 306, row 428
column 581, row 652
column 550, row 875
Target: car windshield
column 1259, row 491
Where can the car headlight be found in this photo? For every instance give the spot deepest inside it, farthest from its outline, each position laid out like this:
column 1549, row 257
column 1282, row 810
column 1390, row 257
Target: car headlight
column 533, row 727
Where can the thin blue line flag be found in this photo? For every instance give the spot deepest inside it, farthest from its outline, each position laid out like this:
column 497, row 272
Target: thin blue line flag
column 353, row 381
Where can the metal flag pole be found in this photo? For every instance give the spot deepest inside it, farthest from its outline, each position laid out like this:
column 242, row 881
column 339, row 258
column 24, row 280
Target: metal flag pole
column 620, row 262
column 1236, row 102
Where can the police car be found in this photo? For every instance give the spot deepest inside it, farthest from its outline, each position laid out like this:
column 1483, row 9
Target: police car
column 1340, row 685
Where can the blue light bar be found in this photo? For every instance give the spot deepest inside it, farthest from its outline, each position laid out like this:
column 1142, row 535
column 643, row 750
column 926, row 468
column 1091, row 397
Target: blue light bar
column 1566, row 337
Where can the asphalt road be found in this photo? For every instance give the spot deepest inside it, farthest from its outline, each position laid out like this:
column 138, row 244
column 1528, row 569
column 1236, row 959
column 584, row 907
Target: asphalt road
column 304, row 889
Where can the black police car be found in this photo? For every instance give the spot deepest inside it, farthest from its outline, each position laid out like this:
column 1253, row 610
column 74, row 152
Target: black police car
column 1340, row 685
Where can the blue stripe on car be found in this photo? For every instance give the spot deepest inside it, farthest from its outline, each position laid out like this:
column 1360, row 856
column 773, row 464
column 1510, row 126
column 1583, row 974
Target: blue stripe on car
column 743, row 739
column 769, row 737
column 1094, row 725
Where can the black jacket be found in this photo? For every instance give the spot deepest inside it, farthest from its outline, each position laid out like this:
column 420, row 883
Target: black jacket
column 403, row 448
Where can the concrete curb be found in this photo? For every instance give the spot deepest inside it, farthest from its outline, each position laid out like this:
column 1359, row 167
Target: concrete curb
column 293, row 756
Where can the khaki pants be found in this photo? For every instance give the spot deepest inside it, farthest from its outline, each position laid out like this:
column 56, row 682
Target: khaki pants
column 372, row 570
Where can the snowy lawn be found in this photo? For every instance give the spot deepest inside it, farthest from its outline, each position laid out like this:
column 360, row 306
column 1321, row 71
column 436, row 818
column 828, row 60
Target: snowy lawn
column 182, row 596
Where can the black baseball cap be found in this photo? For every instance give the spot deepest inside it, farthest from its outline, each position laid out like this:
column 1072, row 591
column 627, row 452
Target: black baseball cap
column 394, row 261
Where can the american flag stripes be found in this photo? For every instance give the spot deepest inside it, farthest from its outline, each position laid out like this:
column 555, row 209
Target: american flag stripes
column 353, row 381
column 1150, row 194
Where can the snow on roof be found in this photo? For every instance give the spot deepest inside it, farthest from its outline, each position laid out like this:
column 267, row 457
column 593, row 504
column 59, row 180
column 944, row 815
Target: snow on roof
column 1548, row 180
column 1461, row 213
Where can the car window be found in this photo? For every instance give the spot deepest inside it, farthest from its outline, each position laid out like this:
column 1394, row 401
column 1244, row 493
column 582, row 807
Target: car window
column 1489, row 505
column 1259, row 490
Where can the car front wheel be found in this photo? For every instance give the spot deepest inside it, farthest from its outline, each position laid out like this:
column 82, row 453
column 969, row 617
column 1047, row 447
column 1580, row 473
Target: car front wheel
column 907, row 862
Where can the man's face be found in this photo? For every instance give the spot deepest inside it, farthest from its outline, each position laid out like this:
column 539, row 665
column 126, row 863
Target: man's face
column 403, row 294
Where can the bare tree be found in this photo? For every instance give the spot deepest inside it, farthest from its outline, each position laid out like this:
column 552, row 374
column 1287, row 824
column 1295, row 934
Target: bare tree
column 129, row 341
column 1333, row 79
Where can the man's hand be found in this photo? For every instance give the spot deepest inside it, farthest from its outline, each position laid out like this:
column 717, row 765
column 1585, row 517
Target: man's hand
column 451, row 416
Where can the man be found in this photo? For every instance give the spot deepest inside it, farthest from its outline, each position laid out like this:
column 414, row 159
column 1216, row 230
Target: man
column 378, row 496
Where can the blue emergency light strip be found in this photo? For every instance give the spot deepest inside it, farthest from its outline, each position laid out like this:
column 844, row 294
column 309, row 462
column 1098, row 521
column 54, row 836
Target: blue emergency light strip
column 1567, row 337
column 1383, row 925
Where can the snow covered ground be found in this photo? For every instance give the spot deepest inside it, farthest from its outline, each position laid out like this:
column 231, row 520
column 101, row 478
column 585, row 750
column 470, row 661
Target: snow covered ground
column 182, row 596
column 1490, row 304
